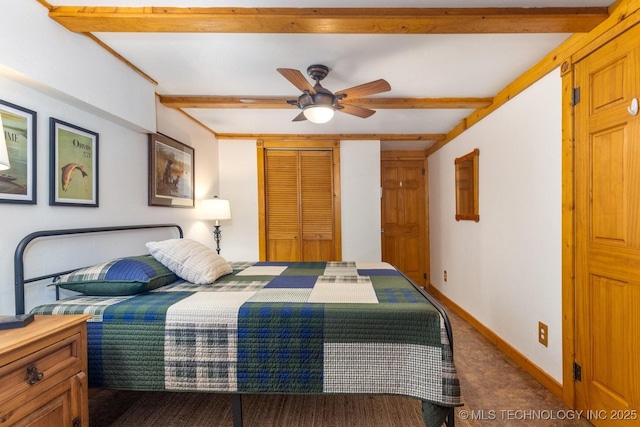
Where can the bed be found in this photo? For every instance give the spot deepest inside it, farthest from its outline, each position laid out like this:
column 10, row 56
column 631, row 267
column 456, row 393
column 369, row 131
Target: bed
column 265, row 327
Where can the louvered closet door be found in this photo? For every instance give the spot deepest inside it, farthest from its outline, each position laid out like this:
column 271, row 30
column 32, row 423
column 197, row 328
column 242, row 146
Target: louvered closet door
column 299, row 205
column 282, row 200
column 317, row 205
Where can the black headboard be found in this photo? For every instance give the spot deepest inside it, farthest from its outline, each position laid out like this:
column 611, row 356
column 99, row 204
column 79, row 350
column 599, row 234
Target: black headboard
column 18, row 261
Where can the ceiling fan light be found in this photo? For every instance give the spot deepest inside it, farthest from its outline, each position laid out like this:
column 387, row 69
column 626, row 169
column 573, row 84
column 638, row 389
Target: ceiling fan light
column 318, row 113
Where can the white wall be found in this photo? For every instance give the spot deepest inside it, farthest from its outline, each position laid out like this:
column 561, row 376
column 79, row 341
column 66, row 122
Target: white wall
column 360, row 197
column 506, row 269
column 123, row 146
column 71, row 67
column 239, row 185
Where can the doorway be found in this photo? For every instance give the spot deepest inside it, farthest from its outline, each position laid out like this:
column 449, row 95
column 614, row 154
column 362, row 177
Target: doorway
column 607, row 232
column 404, row 221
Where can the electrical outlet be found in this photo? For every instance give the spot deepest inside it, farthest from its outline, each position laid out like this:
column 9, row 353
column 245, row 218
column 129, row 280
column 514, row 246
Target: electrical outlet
column 543, row 334
column 445, row 275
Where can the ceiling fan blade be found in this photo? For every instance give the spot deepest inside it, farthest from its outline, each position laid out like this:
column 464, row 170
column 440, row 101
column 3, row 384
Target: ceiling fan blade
column 354, row 110
column 297, row 79
column 300, row 117
column 370, row 88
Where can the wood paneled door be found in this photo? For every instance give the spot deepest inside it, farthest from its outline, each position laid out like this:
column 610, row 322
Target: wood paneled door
column 607, row 195
column 299, row 203
column 403, row 217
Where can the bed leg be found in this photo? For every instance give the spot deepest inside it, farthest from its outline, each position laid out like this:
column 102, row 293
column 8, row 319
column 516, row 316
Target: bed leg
column 236, row 408
column 451, row 418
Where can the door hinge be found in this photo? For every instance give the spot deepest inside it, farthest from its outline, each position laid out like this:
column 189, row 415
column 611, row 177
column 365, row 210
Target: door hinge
column 424, row 172
column 575, row 96
column 577, row 372
column 424, row 276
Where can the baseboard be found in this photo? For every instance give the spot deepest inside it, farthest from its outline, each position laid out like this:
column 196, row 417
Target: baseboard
column 550, row 383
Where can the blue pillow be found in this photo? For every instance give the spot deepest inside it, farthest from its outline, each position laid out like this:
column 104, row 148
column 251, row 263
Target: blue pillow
column 118, row 277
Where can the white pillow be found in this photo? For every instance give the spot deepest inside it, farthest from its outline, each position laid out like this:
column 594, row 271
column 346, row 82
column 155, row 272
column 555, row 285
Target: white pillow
column 190, row 260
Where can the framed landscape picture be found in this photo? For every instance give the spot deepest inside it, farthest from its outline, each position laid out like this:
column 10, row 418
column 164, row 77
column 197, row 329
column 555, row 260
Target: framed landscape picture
column 18, row 183
column 171, row 173
column 73, row 165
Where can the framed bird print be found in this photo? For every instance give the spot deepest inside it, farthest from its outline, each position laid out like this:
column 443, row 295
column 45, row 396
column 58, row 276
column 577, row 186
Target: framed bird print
column 171, row 172
column 73, row 165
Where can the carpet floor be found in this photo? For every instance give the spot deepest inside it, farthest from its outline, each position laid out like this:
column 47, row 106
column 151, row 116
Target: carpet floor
column 138, row 409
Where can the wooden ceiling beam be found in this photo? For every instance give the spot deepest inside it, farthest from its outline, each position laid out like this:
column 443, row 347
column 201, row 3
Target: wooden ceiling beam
column 420, row 103
column 264, row 102
column 86, row 19
column 315, row 137
column 242, row 102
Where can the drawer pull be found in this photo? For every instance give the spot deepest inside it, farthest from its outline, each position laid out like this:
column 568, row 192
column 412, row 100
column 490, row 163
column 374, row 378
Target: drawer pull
column 33, row 376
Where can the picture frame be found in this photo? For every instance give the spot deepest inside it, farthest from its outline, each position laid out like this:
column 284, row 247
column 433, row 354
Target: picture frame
column 171, row 172
column 466, row 174
column 18, row 183
column 73, row 166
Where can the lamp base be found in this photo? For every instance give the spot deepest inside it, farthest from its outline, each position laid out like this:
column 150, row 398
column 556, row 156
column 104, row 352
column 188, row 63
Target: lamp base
column 217, row 236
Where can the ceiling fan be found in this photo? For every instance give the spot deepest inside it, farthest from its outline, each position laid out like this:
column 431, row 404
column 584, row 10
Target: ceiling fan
column 319, row 104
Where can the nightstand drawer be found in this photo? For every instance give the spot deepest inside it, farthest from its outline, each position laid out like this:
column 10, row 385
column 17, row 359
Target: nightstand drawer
column 43, row 373
column 41, row 369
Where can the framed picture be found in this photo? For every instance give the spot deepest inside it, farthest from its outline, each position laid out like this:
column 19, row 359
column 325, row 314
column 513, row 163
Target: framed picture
column 74, row 165
column 171, row 173
column 18, row 183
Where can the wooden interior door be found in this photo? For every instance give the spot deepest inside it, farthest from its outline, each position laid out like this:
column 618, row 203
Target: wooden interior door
column 607, row 171
column 301, row 205
column 403, row 217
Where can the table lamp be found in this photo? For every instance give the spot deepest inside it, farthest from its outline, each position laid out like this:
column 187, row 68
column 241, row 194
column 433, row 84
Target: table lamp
column 216, row 209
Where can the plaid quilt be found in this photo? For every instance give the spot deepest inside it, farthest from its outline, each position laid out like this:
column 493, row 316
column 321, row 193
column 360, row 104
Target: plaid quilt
column 274, row 327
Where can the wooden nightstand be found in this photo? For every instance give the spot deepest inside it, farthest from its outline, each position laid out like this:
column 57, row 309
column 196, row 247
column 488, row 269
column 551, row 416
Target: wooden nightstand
column 43, row 373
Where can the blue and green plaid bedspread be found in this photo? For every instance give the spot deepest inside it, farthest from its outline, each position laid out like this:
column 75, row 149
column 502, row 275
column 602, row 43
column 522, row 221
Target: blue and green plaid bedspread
column 273, row 327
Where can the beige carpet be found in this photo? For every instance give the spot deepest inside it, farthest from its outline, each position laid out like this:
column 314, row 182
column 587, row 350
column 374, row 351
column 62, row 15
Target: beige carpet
column 137, row 409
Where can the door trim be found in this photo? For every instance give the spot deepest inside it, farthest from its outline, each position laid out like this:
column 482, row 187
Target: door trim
column 568, row 240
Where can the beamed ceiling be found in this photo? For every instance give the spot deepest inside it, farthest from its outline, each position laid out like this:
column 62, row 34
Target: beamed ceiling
column 448, row 62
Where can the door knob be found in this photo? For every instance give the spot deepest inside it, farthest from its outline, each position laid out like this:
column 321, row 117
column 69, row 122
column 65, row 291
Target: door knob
column 633, row 108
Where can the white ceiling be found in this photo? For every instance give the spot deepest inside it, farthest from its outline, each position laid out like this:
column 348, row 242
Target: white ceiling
column 416, row 66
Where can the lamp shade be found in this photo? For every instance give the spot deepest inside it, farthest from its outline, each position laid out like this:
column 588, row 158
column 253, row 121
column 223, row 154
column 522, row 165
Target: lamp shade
column 216, row 209
column 4, row 155
column 318, row 113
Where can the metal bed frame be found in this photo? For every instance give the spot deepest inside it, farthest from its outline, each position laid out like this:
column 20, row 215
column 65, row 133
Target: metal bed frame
column 236, row 398
column 18, row 259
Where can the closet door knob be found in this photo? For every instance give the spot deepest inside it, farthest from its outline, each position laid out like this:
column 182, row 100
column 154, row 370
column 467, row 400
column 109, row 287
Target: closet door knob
column 633, row 108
